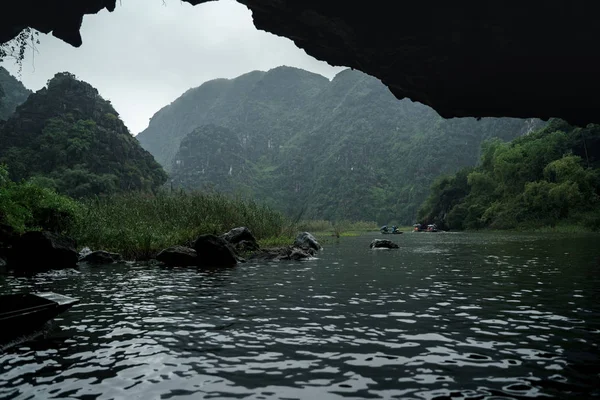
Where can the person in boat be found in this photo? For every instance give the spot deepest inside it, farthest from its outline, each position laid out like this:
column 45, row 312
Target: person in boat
column 384, row 229
column 394, row 229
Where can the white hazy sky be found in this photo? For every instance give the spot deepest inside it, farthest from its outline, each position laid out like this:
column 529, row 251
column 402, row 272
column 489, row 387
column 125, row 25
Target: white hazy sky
column 145, row 54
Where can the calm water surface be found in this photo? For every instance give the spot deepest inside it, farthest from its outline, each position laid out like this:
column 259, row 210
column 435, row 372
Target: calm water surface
column 449, row 315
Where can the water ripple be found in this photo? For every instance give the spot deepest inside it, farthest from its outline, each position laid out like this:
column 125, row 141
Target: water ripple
column 445, row 317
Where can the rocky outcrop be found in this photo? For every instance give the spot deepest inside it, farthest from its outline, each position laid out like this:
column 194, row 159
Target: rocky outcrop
column 38, row 251
column 307, row 241
column 241, row 239
column 463, row 59
column 178, row 256
column 214, row 251
column 101, row 257
column 281, row 254
column 383, row 244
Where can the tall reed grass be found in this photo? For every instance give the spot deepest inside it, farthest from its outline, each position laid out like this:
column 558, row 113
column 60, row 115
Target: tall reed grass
column 139, row 225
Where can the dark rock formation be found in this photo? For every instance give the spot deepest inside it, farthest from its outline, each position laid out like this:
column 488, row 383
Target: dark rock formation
column 238, row 234
column 383, row 244
column 7, row 235
column 101, row 257
column 84, row 252
column 214, row 251
column 241, row 239
column 178, row 256
column 520, row 59
column 281, row 253
column 38, row 251
column 307, row 241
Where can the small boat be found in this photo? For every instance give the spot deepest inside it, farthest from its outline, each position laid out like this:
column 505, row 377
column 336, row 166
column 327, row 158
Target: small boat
column 391, row 233
column 25, row 312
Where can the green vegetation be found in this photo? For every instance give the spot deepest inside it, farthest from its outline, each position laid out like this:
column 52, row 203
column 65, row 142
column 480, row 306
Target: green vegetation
column 67, row 138
column 345, row 149
column 549, row 179
column 140, row 225
column 137, row 225
column 26, row 206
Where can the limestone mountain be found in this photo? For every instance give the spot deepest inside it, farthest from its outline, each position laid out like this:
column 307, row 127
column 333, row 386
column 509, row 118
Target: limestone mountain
column 66, row 136
column 12, row 93
column 340, row 149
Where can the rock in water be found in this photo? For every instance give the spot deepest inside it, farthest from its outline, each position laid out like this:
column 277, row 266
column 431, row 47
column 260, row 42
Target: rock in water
column 383, row 244
column 178, row 256
column 241, row 239
column 281, row 253
column 214, row 251
column 239, row 234
column 84, row 252
column 307, row 241
column 101, row 257
column 38, row 251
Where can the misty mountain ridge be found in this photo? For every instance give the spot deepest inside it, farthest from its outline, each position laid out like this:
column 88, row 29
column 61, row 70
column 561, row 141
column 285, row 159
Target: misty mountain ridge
column 340, row 149
column 12, row 94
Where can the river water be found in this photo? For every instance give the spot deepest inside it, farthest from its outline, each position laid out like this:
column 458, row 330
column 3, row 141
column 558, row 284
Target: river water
column 448, row 315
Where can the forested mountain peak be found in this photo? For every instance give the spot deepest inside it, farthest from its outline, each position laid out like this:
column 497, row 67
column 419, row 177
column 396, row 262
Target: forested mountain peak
column 68, row 137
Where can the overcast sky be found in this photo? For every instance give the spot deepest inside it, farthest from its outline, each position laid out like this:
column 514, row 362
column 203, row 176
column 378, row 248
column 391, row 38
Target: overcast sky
column 145, row 54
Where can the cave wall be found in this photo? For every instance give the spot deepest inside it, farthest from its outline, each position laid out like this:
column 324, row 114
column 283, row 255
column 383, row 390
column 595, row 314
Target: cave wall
column 468, row 58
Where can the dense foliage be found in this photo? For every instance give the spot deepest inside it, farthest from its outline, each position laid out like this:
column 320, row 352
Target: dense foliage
column 26, row 206
column 12, row 94
column 546, row 178
column 68, row 138
column 137, row 225
column 335, row 150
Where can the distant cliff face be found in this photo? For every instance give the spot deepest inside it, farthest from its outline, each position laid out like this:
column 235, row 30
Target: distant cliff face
column 68, row 137
column 12, row 94
column 345, row 148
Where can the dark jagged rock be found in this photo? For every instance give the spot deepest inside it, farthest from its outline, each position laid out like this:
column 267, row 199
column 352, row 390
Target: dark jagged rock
column 281, row 254
column 383, row 244
column 101, row 257
column 237, row 235
column 84, row 252
column 214, row 251
column 307, row 241
column 464, row 59
column 7, row 235
column 178, row 256
column 38, row 251
column 246, row 246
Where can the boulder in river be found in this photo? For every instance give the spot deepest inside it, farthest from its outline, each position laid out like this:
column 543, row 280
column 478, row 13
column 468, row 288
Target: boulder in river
column 213, row 251
column 84, row 252
column 307, row 241
column 383, row 244
column 281, row 253
column 178, row 256
column 101, row 257
column 239, row 234
column 38, row 251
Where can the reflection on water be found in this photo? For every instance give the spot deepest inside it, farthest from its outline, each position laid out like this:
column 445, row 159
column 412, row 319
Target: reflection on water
column 461, row 316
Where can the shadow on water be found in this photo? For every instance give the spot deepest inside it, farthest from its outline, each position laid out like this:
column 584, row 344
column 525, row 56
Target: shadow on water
column 445, row 316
